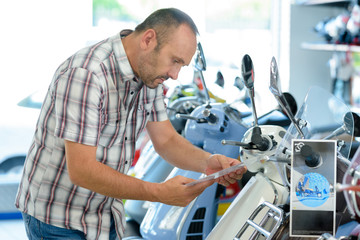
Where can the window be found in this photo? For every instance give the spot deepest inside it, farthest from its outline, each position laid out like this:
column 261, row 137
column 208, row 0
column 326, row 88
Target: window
column 228, row 30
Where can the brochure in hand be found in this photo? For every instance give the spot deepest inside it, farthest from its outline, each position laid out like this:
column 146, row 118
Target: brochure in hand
column 217, row 174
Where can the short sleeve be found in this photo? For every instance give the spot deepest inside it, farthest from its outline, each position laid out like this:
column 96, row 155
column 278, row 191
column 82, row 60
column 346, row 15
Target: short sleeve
column 77, row 98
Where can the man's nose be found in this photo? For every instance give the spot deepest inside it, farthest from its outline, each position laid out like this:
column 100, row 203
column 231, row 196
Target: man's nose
column 174, row 72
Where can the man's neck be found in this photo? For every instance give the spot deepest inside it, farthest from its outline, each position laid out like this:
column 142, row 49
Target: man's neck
column 130, row 43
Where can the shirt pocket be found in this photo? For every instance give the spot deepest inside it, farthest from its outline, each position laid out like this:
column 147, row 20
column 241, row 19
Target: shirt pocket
column 112, row 130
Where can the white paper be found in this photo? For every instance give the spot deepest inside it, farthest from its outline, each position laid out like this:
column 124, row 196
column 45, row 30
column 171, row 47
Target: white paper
column 217, row 174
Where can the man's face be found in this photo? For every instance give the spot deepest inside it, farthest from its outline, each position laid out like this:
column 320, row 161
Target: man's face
column 157, row 66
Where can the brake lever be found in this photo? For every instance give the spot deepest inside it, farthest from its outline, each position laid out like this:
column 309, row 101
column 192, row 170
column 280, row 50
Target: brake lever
column 239, row 144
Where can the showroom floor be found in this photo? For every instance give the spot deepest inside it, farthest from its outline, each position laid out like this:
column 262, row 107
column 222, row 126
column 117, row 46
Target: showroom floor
column 12, row 230
column 15, row 230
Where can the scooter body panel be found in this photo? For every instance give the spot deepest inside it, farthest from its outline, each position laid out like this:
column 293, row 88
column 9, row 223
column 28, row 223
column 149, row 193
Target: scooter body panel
column 171, row 222
column 255, row 192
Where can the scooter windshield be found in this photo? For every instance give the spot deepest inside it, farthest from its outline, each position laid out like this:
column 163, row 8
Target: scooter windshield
column 322, row 116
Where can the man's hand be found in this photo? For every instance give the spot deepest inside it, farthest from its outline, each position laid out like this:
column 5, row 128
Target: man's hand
column 175, row 192
column 217, row 162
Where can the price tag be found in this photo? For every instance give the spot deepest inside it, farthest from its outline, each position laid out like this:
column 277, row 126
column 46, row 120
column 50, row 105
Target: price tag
column 312, row 191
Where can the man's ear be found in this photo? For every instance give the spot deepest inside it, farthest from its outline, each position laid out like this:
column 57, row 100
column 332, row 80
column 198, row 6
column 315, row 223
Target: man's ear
column 148, row 39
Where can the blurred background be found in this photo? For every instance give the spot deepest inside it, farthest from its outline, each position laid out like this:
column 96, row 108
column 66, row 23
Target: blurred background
column 37, row 35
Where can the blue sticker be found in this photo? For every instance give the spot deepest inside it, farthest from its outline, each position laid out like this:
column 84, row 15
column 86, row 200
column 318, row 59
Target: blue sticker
column 313, row 189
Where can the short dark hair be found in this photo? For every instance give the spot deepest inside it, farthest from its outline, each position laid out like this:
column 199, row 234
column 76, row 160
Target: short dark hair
column 164, row 21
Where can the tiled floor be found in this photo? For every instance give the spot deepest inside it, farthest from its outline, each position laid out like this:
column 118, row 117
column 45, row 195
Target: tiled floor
column 12, row 230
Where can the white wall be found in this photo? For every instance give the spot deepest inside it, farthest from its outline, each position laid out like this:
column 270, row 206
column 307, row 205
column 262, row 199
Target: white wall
column 36, row 36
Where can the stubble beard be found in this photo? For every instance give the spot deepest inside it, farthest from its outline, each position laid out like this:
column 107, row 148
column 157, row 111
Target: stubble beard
column 147, row 67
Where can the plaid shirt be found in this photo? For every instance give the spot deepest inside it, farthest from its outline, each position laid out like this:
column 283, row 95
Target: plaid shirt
column 93, row 99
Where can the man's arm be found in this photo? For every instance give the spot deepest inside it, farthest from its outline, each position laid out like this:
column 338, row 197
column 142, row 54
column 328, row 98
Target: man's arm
column 176, row 149
column 85, row 171
column 181, row 153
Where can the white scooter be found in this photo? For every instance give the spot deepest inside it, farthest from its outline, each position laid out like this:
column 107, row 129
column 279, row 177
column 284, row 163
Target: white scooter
column 260, row 209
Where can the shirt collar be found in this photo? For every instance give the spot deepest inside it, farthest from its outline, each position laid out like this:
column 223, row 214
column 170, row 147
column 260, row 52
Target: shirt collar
column 121, row 58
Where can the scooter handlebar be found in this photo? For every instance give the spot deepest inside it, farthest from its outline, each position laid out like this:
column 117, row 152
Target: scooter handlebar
column 236, row 143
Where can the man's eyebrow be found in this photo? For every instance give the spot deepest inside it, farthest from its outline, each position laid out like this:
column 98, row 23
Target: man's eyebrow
column 181, row 60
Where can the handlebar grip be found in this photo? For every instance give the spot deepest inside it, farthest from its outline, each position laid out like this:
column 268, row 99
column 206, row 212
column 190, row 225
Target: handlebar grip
column 260, row 142
column 236, row 143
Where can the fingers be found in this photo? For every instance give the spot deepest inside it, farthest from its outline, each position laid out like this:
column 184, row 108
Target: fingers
column 240, row 172
column 223, row 160
column 197, row 189
column 176, row 192
column 232, row 177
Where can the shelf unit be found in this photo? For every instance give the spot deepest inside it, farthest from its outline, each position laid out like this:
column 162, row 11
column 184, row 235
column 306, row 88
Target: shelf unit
column 308, row 53
column 330, row 47
column 324, row 2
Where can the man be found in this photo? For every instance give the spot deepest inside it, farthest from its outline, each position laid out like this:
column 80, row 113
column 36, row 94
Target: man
column 98, row 102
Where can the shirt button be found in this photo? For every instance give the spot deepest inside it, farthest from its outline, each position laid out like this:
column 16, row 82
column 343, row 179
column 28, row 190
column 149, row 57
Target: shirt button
column 132, row 92
column 125, row 138
column 147, row 113
column 126, row 162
